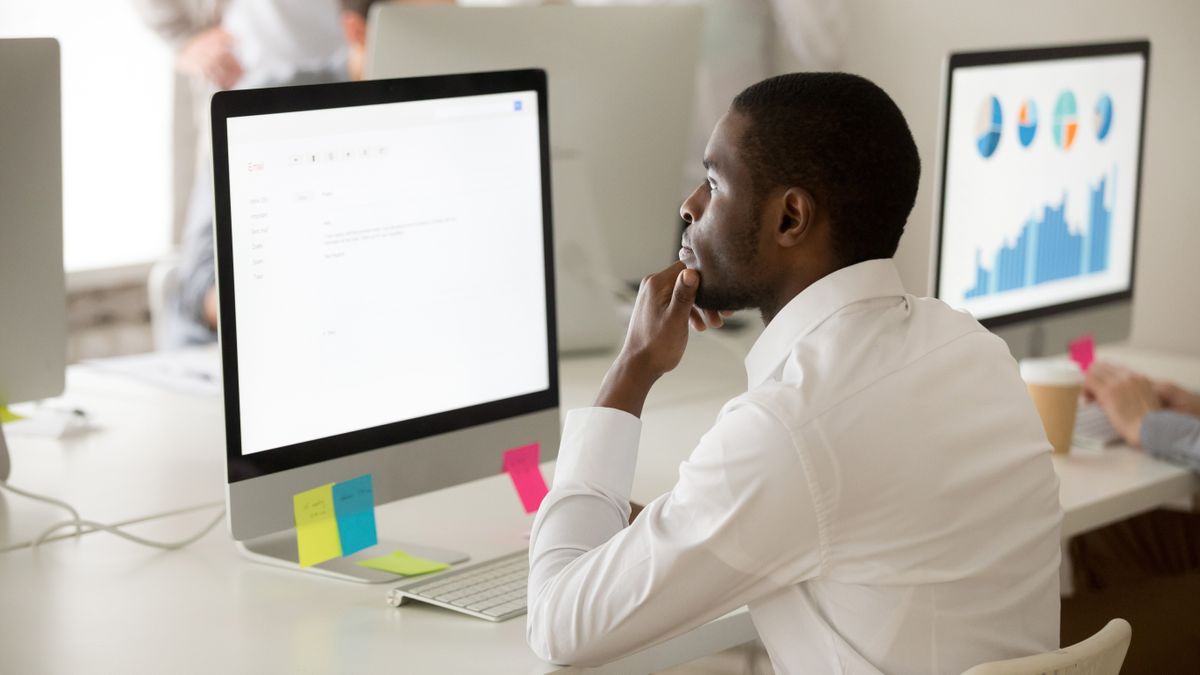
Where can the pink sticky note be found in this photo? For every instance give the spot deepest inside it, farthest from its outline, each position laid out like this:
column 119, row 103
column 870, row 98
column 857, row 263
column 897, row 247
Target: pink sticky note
column 521, row 464
column 1083, row 351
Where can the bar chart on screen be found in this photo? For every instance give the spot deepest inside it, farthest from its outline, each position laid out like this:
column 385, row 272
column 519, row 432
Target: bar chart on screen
column 1048, row 248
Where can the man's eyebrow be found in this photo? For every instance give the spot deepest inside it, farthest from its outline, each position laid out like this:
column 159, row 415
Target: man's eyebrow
column 709, row 164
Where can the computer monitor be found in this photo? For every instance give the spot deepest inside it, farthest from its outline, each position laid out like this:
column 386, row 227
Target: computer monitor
column 1039, row 184
column 622, row 94
column 386, row 292
column 33, row 307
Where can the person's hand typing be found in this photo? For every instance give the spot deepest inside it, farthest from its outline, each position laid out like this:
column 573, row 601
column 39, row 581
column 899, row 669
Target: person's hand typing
column 1125, row 396
column 209, row 54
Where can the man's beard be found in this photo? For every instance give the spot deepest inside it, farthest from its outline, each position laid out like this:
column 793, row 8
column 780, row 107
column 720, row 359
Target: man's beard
column 731, row 288
column 723, row 294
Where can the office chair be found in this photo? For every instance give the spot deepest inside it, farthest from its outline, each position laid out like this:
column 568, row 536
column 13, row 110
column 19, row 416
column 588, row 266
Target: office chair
column 1101, row 654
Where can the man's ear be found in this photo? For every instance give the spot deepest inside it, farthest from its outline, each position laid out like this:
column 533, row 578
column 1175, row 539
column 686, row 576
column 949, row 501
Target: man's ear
column 797, row 217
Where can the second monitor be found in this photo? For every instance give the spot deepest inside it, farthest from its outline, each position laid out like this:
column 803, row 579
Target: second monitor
column 1041, row 170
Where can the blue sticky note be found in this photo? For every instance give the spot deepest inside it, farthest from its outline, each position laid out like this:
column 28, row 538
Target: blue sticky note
column 354, row 505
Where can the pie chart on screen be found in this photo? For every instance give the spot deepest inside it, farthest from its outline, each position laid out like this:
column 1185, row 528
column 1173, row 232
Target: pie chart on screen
column 1066, row 120
column 987, row 126
column 1027, row 122
column 1103, row 116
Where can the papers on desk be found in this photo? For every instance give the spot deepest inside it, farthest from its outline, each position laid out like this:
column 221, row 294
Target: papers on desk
column 399, row 562
column 191, row 371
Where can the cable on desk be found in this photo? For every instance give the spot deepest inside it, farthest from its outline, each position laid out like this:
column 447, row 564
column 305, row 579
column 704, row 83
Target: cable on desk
column 48, row 500
column 80, row 523
column 168, row 546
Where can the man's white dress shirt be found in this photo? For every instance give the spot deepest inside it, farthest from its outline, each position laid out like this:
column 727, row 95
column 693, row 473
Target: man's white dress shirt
column 882, row 498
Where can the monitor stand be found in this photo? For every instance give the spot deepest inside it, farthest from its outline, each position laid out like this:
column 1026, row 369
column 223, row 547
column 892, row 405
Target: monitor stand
column 279, row 549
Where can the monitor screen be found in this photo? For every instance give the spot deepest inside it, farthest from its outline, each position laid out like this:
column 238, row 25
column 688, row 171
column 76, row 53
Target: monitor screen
column 1041, row 153
column 389, row 263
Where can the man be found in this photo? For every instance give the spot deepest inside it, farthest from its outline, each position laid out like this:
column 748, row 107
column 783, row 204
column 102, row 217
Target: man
column 882, row 496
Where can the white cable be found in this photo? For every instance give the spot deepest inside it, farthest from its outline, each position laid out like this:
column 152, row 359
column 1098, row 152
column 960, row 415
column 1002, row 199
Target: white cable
column 80, row 523
column 48, row 500
column 168, row 546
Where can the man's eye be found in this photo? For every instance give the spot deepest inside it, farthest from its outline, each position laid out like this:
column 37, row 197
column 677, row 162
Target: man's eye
column 712, row 184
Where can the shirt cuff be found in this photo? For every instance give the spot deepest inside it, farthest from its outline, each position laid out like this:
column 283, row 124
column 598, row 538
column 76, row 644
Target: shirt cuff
column 1167, row 431
column 599, row 447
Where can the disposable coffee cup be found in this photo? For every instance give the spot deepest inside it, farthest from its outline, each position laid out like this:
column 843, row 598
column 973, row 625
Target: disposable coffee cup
column 1054, row 387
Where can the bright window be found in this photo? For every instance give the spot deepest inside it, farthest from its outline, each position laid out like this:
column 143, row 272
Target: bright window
column 116, row 89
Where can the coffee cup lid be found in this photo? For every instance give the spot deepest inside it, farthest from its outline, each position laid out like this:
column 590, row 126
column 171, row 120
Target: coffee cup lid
column 1051, row 371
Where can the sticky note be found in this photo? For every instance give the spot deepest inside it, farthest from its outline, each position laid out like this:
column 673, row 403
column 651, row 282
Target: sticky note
column 399, row 562
column 521, row 464
column 316, row 526
column 7, row 415
column 354, row 506
column 1083, row 351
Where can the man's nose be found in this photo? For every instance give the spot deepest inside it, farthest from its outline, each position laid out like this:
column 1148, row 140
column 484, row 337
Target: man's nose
column 690, row 211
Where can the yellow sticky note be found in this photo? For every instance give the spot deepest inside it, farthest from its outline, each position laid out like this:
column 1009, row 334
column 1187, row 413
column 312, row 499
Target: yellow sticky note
column 316, row 526
column 7, row 415
column 399, row 562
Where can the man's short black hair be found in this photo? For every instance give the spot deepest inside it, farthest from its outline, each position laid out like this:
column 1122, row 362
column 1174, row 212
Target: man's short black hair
column 843, row 139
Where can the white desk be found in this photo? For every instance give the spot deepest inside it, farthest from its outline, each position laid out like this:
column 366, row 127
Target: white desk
column 100, row 603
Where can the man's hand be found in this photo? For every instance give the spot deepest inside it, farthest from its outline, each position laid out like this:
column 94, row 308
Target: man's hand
column 1125, row 396
column 209, row 54
column 658, row 329
column 657, row 337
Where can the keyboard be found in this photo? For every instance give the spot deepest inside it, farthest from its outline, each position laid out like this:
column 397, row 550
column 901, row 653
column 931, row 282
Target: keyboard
column 1092, row 429
column 492, row 590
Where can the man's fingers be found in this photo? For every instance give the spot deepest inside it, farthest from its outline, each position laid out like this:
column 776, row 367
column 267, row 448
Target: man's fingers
column 684, row 295
column 713, row 318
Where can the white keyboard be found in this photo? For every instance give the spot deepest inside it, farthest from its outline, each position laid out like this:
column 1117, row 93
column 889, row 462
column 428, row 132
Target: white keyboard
column 492, row 590
column 1092, row 429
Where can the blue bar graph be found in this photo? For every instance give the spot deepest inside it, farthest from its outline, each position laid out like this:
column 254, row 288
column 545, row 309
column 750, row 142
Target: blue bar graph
column 1047, row 250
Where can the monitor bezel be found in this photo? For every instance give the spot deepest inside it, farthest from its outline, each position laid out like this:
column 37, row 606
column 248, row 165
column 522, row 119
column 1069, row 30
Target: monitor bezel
column 958, row 60
column 228, row 104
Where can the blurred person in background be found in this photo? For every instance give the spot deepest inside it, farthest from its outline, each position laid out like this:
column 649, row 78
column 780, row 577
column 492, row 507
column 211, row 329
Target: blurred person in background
column 1145, row 569
column 227, row 44
column 248, row 43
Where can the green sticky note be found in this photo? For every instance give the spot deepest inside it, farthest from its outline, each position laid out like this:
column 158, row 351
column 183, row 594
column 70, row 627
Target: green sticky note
column 316, row 526
column 7, row 415
column 399, row 562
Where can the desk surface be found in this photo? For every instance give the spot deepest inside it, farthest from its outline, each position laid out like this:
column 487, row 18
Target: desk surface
column 100, row 600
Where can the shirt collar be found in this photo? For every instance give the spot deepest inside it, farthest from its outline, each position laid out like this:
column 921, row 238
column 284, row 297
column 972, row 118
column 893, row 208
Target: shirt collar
column 803, row 313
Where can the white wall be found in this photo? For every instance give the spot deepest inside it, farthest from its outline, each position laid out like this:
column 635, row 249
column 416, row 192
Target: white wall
column 901, row 46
